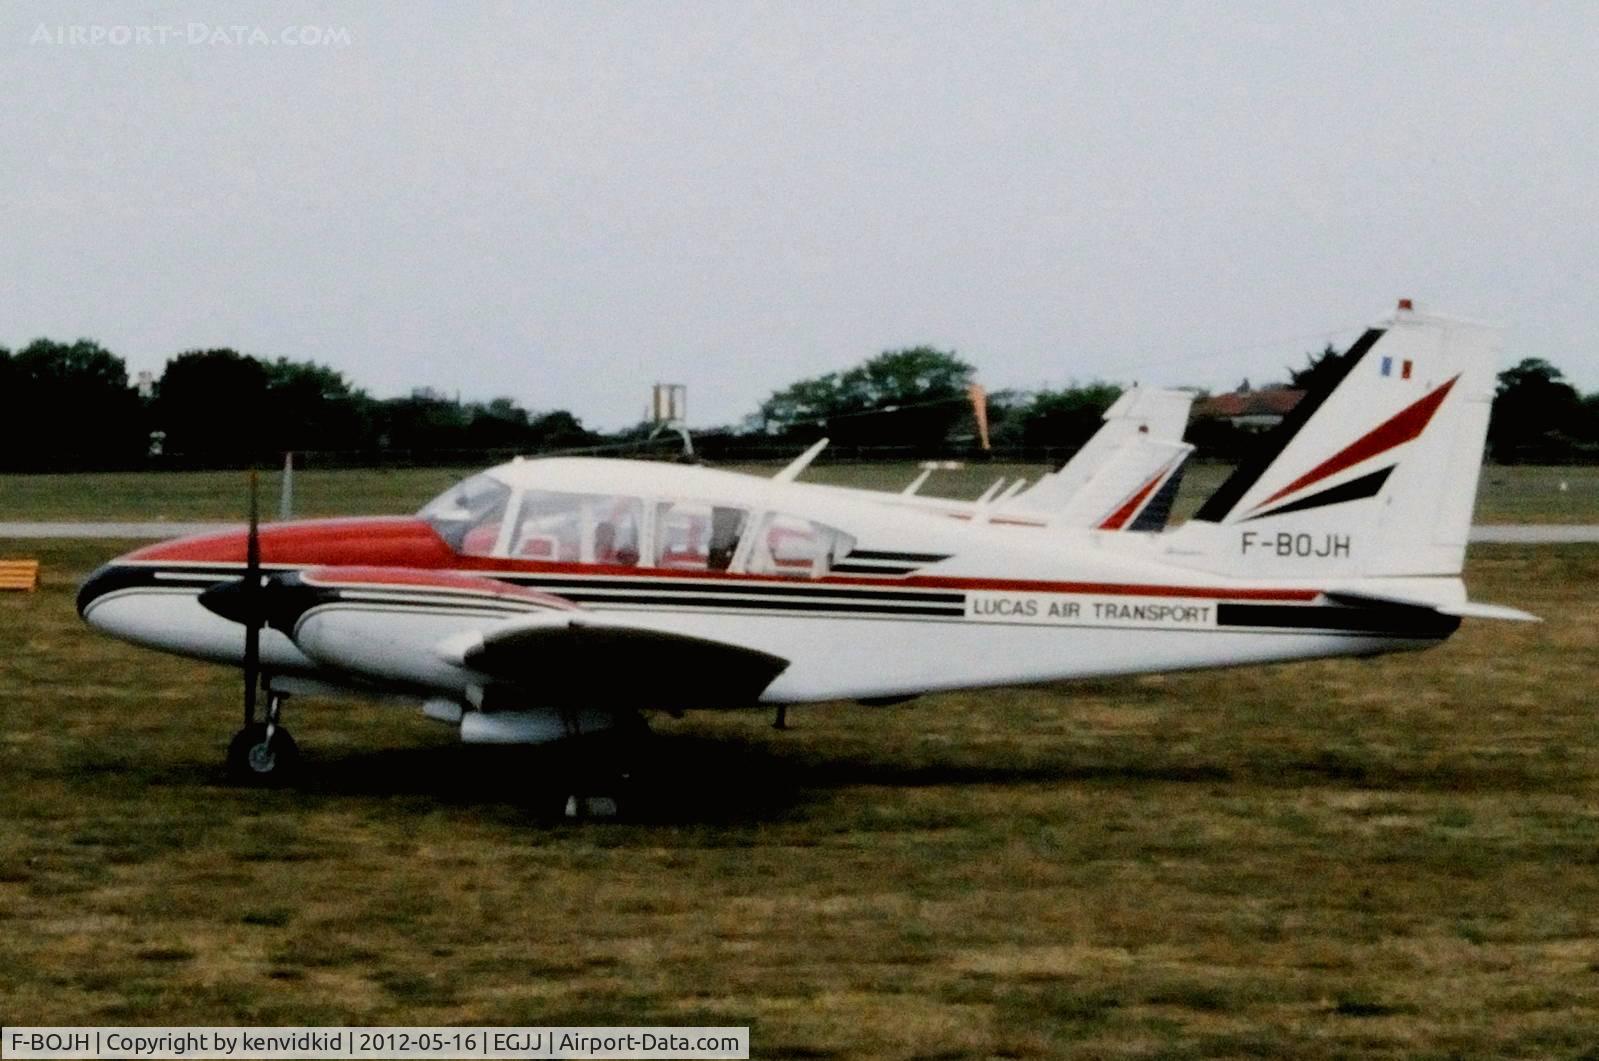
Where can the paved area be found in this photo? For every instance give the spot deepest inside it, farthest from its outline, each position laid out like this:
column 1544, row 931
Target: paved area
column 1495, row 533
column 1535, row 533
column 153, row 531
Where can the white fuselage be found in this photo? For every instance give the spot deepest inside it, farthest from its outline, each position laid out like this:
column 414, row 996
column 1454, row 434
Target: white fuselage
column 904, row 601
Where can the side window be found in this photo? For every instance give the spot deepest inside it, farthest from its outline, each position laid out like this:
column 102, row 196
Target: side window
column 694, row 536
column 788, row 545
column 578, row 528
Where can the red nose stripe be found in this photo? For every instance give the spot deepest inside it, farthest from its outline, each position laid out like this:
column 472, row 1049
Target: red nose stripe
column 1403, row 426
column 386, row 541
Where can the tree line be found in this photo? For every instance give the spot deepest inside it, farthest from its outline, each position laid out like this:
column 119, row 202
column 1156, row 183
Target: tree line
column 71, row 406
column 917, row 399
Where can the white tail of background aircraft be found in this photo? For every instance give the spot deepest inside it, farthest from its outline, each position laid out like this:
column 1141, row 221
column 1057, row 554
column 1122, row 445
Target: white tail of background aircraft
column 1124, row 478
column 1127, row 475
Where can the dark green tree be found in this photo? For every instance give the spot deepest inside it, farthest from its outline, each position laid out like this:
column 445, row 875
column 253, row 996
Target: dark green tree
column 1537, row 415
column 11, row 443
column 71, row 408
column 557, row 429
column 498, row 424
column 802, row 405
column 913, row 397
column 213, row 406
column 1317, row 368
column 1067, row 417
column 313, row 407
column 425, row 422
column 1588, row 423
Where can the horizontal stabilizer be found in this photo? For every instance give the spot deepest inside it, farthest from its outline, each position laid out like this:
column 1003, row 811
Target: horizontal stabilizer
column 1461, row 609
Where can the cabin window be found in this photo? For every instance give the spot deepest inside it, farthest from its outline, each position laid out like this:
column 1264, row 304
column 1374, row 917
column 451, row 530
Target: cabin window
column 578, row 528
column 694, row 536
column 469, row 515
column 788, row 545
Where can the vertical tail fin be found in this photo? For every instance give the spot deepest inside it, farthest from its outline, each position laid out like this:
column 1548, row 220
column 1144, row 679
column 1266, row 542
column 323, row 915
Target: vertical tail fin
column 1373, row 474
column 1127, row 475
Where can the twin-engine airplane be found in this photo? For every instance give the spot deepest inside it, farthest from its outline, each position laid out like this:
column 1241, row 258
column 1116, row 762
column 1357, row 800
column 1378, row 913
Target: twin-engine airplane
column 544, row 599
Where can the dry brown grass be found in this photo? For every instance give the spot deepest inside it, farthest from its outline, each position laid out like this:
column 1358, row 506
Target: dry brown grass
column 1397, row 857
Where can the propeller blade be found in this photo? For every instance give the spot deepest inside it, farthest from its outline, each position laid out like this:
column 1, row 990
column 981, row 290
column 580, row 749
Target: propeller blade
column 252, row 602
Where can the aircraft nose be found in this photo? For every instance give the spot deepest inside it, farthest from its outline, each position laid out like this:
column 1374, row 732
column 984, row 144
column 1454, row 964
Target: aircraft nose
column 107, row 578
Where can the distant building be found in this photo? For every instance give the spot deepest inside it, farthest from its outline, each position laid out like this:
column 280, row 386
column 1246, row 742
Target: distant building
column 1252, row 410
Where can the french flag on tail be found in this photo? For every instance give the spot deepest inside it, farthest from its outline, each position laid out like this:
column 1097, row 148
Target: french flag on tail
column 1404, row 367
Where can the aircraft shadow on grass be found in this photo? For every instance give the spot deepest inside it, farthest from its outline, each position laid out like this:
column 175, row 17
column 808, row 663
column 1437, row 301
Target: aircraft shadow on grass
column 688, row 779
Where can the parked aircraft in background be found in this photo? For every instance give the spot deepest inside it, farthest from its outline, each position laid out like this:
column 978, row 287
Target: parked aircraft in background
column 1125, row 478
column 545, row 599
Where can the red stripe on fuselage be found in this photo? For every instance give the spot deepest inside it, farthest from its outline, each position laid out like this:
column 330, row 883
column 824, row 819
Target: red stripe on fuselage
column 410, row 548
column 382, row 541
column 487, row 569
column 479, row 565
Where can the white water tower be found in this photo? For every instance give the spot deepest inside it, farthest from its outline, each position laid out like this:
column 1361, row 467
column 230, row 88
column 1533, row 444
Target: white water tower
column 669, row 404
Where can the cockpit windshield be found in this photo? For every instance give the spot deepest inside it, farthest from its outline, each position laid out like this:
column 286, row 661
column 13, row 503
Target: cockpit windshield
column 469, row 514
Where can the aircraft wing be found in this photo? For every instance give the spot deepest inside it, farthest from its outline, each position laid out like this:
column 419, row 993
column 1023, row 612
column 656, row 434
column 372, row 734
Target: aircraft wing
column 577, row 657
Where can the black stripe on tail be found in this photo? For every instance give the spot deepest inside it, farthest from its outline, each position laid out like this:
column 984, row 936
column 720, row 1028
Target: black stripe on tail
column 1158, row 511
column 1216, row 507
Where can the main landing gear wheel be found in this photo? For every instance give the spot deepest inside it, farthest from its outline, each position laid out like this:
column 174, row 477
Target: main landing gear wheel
column 259, row 757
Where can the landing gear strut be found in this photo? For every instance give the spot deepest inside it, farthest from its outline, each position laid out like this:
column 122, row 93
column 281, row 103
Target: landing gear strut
column 263, row 753
column 604, row 768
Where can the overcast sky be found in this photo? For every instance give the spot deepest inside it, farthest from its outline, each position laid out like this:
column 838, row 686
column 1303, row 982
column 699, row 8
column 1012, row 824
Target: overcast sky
column 564, row 202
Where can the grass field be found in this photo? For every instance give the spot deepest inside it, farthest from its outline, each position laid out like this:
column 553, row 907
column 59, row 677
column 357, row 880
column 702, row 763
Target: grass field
column 1507, row 494
column 1394, row 858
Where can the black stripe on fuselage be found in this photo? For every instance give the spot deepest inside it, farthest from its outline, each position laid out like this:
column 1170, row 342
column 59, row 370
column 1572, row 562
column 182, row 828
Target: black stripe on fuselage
column 1394, row 621
column 295, row 596
column 847, row 568
column 835, row 606
column 559, row 586
column 1381, row 621
column 554, row 583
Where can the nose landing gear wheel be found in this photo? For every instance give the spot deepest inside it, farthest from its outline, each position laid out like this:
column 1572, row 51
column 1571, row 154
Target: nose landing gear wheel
column 254, row 759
